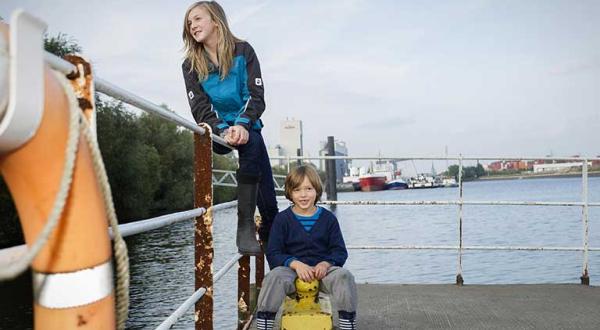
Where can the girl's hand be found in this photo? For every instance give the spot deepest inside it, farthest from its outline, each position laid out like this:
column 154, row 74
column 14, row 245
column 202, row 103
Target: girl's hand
column 237, row 135
column 304, row 271
column 321, row 269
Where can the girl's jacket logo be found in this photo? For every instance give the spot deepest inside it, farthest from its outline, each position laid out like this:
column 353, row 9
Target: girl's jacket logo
column 191, row 95
column 258, row 82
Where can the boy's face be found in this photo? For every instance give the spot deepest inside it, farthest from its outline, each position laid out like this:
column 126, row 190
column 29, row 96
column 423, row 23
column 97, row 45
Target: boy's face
column 304, row 195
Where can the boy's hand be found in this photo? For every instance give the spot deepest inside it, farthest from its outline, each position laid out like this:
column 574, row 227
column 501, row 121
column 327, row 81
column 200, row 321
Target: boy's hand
column 321, row 269
column 304, row 271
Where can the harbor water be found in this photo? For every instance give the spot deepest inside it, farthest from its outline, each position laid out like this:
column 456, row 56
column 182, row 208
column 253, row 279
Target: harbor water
column 162, row 271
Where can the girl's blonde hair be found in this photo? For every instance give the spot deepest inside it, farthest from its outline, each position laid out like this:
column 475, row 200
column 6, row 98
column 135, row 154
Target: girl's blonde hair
column 195, row 52
column 295, row 178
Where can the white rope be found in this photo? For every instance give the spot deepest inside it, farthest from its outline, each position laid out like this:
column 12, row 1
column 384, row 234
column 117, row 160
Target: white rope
column 121, row 255
column 16, row 268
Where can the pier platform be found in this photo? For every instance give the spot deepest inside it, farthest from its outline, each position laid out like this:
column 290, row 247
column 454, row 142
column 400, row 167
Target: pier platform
column 522, row 306
column 447, row 306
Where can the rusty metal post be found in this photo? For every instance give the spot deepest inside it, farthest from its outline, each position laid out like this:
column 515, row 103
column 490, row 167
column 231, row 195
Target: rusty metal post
column 203, row 240
column 459, row 278
column 260, row 271
column 585, row 277
column 243, row 291
column 82, row 82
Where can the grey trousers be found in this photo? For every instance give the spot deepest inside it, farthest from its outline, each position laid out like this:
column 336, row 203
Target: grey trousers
column 279, row 282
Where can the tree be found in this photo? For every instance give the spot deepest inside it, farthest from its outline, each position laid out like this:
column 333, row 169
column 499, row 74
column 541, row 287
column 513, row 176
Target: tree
column 61, row 45
column 480, row 171
column 132, row 165
column 453, row 171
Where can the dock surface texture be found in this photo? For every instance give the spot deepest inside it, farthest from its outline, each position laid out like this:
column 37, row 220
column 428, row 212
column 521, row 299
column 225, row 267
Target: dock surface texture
column 446, row 306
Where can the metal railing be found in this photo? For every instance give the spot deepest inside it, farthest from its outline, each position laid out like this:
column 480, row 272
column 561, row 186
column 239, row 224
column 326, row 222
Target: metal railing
column 205, row 177
column 584, row 204
column 225, row 178
column 203, row 206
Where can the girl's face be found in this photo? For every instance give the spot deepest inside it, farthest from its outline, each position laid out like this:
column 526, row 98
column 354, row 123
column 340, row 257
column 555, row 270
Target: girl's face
column 304, row 196
column 201, row 25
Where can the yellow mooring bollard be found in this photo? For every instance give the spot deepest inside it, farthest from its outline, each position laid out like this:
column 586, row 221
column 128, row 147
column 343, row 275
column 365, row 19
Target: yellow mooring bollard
column 305, row 312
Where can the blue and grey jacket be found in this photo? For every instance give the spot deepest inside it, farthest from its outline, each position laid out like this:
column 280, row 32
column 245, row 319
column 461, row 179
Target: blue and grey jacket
column 236, row 100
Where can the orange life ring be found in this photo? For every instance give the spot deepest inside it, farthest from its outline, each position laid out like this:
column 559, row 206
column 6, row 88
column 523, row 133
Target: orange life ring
column 73, row 271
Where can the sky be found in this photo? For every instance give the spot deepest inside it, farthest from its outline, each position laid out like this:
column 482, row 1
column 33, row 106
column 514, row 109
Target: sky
column 396, row 78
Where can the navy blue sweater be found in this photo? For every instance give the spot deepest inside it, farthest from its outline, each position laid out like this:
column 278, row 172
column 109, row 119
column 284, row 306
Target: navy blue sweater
column 289, row 241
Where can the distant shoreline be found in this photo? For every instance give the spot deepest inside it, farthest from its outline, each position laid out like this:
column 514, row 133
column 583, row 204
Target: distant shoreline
column 534, row 176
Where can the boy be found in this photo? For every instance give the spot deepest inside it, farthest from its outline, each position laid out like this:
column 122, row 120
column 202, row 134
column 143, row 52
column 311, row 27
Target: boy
column 306, row 242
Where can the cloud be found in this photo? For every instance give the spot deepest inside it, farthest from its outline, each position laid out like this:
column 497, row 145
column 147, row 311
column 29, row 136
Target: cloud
column 577, row 66
column 245, row 12
column 387, row 123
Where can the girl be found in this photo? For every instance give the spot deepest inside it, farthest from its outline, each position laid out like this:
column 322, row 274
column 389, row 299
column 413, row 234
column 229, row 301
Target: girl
column 225, row 90
column 306, row 242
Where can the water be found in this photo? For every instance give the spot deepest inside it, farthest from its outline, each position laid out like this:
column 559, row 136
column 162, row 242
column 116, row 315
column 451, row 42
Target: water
column 162, row 274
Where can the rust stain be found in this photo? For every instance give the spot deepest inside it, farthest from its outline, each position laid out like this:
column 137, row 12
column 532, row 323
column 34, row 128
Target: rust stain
column 82, row 83
column 242, row 306
column 81, row 320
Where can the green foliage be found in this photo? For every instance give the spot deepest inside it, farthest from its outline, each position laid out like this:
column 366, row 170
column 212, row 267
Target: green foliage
column 132, row 164
column 61, row 45
column 469, row 172
column 453, row 171
column 175, row 147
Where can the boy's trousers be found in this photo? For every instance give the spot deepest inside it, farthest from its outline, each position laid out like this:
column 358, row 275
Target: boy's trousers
column 279, row 282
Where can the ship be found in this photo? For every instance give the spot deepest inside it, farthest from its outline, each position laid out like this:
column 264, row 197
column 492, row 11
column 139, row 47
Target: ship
column 396, row 184
column 424, row 181
column 372, row 182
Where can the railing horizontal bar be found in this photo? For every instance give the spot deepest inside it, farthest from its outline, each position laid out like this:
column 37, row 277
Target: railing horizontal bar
column 518, row 203
column 577, row 159
column 474, row 248
column 188, row 303
column 59, row 64
column 142, row 226
column 12, row 253
column 180, row 311
column 223, row 184
column 223, row 206
column 121, row 94
column 226, row 268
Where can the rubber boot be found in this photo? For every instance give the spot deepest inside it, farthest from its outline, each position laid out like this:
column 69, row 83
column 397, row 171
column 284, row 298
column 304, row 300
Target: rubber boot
column 247, row 190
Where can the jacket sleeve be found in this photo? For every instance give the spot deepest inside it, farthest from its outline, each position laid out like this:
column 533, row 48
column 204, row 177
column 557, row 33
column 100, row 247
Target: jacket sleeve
column 337, row 248
column 252, row 91
column 276, row 252
column 202, row 109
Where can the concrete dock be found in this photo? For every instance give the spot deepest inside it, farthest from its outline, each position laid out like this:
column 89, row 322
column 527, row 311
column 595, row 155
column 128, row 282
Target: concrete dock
column 540, row 306
column 447, row 306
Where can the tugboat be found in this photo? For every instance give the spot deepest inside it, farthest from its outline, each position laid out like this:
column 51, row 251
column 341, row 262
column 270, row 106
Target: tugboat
column 424, row 181
column 396, row 184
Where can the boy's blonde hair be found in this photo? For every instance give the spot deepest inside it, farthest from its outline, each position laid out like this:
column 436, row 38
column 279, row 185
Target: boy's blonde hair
column 296, row 176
